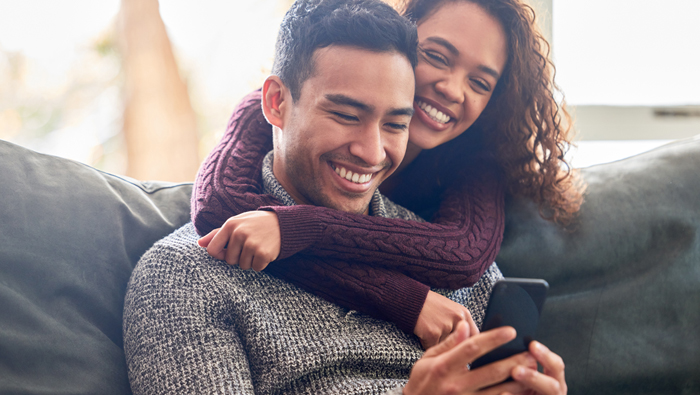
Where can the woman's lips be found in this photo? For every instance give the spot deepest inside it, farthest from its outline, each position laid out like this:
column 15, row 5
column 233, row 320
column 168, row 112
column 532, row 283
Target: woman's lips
column 435, row 119
column 433, row 112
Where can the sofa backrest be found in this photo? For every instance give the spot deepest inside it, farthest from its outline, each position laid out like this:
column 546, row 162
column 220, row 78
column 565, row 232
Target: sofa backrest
column 624, row 305
column 70, row 236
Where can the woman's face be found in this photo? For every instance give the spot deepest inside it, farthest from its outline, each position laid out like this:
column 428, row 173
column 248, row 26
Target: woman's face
column 462, row 53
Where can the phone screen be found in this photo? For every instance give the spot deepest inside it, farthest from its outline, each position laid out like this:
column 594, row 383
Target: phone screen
column 515, row 302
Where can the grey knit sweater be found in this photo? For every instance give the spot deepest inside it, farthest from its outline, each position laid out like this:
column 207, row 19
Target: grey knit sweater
column 193, row 324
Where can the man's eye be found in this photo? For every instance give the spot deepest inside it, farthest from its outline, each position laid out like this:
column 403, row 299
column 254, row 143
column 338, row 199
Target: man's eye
column 345, row 117
column 398, row 126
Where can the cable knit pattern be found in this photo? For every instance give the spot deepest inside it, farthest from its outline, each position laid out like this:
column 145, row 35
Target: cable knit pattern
column 452, row 252
column 195, row 325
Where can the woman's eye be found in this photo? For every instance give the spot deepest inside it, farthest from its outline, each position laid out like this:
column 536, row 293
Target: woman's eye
column 435, row 57
column 481, row 85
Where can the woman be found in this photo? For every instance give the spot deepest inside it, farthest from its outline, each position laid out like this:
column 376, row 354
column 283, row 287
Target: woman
column 483, row 84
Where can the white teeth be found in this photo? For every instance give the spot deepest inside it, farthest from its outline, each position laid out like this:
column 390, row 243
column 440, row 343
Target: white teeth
column 434, row 113
column 354, row 177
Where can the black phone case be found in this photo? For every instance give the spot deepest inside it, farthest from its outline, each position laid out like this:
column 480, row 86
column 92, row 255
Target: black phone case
column 515, row 302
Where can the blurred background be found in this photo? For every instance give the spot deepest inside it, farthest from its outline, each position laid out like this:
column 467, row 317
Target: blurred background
column 145, row 89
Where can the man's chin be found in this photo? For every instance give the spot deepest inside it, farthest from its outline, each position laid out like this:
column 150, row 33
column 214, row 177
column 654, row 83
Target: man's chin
column 353, row 206
column 360, row 209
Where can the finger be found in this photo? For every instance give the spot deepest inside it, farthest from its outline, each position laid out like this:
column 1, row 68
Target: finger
column 472, row 348
column 234, row 249
column 426, row 344
column 219, row 242
column 260, row 262
column 499, row 371
column 551, row 362
column 204, row 241
column 537, row 381
column 245, row 260
column 458, row 335
column 485, row 342
column 511, row 387
column 473, row 329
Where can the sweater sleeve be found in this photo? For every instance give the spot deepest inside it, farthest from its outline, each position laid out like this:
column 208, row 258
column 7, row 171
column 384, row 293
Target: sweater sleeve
column 452, row 252
column 229, row 182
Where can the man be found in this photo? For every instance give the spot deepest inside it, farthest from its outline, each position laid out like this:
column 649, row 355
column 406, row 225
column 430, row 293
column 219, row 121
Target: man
column 193, row 324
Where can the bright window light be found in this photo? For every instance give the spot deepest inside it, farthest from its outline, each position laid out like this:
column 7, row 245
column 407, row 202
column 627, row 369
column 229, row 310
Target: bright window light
column 622, row 52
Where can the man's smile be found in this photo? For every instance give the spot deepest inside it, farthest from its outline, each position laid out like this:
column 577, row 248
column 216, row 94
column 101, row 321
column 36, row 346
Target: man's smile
column 353, row 176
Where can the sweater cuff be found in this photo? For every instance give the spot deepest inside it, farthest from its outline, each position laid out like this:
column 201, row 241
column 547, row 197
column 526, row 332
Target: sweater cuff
column 299, row 228
column 403, row 302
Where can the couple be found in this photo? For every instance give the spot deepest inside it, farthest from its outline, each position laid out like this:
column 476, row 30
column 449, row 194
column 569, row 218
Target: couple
column 341, row 102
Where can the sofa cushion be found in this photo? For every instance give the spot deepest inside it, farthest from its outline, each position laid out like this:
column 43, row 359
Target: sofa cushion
column 70, row 236
column 624, row 305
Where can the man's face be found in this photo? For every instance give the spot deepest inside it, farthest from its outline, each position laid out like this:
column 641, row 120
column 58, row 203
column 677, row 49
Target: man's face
column 348, row 130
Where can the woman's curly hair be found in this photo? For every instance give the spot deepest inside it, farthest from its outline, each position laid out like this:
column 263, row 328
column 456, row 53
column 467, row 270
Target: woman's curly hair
column 523, row 128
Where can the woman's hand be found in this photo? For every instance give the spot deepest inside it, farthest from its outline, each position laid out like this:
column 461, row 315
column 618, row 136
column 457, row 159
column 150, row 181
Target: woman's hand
column 439, row 318
column 250, row 240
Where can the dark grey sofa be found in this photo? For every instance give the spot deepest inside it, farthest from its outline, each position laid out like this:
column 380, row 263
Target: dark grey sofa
column 624, row 309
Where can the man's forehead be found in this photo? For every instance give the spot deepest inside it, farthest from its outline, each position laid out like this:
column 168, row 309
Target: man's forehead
column 361, row 78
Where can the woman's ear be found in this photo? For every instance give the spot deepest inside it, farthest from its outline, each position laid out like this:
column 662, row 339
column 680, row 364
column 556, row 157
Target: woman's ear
column 275, row 101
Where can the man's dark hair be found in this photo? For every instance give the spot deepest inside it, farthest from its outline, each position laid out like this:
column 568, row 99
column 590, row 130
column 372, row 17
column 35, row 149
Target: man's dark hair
column 313, row 24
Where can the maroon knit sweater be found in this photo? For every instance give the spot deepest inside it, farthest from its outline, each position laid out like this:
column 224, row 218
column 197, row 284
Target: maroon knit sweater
column 379, row 266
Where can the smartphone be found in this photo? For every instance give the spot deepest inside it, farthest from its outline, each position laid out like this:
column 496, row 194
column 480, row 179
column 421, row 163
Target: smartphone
column 515, row 302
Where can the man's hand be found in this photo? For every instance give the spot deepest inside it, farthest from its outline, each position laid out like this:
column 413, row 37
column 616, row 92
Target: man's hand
column 443, row 368
column 439, row 317
column 550, row 381
column 250, row 240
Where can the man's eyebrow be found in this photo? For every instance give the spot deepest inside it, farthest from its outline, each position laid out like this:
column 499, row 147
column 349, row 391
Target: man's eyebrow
column 343, row 100
column 401, row 111
column 455, row 52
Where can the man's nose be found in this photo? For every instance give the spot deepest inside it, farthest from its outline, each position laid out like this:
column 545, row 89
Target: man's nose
column 368, row 145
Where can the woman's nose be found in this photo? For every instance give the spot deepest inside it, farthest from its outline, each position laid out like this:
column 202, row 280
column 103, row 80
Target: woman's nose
column 452, row 87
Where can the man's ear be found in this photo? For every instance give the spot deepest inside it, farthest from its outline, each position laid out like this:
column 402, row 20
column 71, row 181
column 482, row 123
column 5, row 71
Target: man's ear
column 275, row 101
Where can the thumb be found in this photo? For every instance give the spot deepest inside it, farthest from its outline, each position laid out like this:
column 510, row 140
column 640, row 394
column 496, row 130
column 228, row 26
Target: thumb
column 458, row 335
